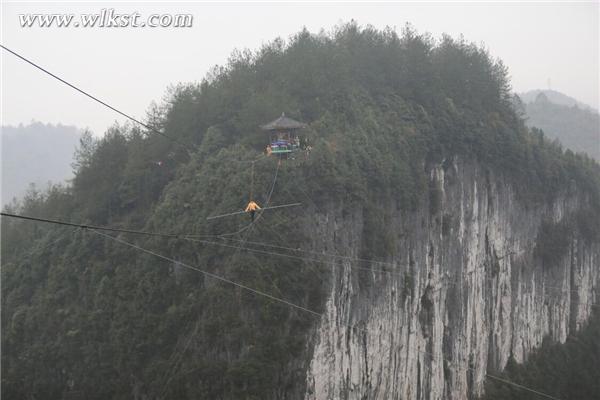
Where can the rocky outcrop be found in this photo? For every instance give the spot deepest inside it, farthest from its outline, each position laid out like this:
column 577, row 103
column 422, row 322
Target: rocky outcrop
column 464, row 290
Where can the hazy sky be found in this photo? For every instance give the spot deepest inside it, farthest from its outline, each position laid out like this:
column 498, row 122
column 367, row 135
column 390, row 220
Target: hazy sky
column 541, row 43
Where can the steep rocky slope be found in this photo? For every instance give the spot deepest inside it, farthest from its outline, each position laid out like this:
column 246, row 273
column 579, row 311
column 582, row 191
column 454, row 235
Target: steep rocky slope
column 467, row 292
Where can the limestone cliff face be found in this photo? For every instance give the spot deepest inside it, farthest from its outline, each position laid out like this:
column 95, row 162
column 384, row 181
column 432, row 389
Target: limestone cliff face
column 465, row 291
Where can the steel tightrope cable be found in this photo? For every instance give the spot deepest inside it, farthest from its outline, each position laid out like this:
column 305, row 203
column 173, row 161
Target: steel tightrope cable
column 182, row 237
column 260, row 212
column 185, row 146
column 99, row 230
column 239, row 285
column 305, row 309
column 197, row 239
column 205, row 273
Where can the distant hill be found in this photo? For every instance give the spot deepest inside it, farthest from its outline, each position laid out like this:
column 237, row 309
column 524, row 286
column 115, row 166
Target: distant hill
column 35, row 153
column 554, row 97
column 574, row 124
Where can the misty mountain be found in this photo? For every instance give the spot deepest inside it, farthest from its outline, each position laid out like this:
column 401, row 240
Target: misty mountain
column 574, row 124
column 36, row 153
column 438, row 237
column 554, row 97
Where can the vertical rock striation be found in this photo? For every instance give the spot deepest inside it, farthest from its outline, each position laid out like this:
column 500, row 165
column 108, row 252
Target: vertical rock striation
column 464, row 290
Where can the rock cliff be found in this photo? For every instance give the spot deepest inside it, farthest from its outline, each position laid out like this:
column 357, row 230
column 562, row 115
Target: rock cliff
column 465, row 290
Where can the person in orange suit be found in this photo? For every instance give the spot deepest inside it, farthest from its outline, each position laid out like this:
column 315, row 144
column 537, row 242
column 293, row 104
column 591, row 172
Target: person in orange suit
column 251, row 208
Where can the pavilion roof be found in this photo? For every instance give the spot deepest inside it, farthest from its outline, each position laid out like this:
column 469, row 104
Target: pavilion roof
column 283, row 123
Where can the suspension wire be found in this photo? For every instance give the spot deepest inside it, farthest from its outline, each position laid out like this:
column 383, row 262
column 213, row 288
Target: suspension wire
column 550, row 287
column 245, row 212
column 87, row 226
column 176, row 360
column 556, row 288
column 259, row 212
column 317, row 208
column 290, row 304
column 243, row 241
column 491, row 376
column 265, row 206
column 96, row 229
column 251, row 181
column 176, row 236
column 231, row 282
column 186, row 147
column 205, row 273
column 208, row 242
column 251, row 161
column 305, row 259
column 257, row 158
column 519, row 386
column 452, row 281
column 173, row 371
column 298, row 250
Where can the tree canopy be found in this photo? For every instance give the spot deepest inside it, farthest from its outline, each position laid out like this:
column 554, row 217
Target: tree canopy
column 85, row 317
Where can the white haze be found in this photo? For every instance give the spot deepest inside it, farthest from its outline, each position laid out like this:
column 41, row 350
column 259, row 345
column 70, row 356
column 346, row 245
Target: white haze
column 541, row 43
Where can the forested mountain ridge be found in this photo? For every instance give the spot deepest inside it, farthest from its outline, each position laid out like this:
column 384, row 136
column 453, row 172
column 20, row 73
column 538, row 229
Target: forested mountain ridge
column 554, row 97
column 403, row 129
column 576, row 126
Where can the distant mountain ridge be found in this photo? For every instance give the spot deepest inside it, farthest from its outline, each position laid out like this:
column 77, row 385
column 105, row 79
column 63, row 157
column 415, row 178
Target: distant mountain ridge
column 554, row 97
column 575, row 124
column 36, row 153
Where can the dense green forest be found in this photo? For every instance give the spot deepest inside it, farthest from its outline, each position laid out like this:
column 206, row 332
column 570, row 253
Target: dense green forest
column 568, row 371
column 84, row 317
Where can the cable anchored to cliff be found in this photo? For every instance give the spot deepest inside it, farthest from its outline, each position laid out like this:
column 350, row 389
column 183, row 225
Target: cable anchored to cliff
column 494, row 377
column 96, row 230
column 195, row 239
column 290, row 256
column 519, row 386
column 255, row 209
column 206, row 273
column 198, row 239
column 297, row 250
column 263, row 209
column 290, row 304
